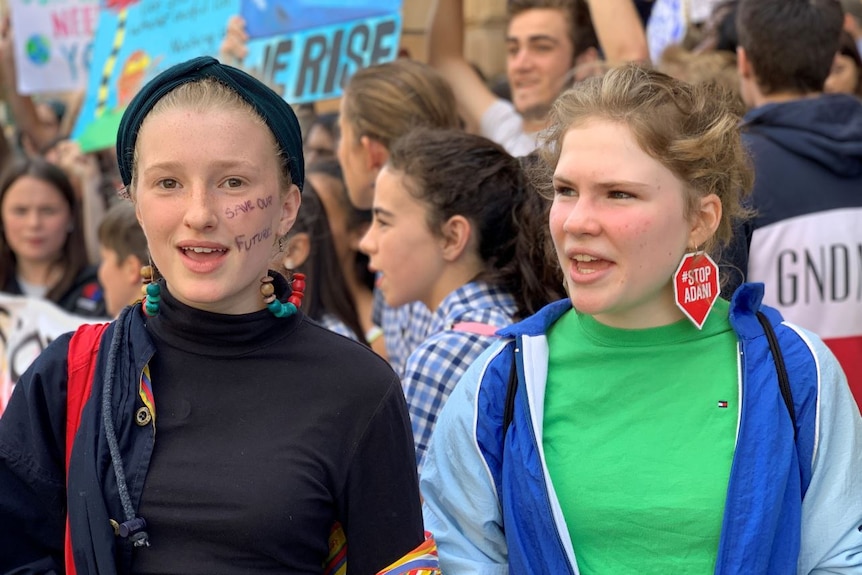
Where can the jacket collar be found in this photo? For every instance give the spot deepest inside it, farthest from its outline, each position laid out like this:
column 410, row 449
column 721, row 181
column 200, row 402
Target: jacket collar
column 744, row 305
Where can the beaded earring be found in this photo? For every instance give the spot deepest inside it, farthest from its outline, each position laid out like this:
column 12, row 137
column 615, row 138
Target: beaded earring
column 279, row 308
column 151, row 291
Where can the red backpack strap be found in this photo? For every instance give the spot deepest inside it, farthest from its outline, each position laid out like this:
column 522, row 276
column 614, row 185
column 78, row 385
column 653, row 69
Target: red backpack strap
column 81, row 364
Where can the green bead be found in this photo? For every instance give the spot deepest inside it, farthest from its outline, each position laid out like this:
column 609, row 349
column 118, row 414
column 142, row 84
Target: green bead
column 279, row 309
column 154, row 289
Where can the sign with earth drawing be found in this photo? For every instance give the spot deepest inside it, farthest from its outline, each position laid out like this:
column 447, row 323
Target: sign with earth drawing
column 53, row 39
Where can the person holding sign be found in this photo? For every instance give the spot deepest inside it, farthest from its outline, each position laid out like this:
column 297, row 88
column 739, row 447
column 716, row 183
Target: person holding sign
column 273, row 432
column 644, row 425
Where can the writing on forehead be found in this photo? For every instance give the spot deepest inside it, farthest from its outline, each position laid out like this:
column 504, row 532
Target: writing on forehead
column 247, row 206
column 244, row 242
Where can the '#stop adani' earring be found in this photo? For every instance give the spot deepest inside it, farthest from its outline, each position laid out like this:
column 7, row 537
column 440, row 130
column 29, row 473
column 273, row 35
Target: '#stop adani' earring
column 695, row 286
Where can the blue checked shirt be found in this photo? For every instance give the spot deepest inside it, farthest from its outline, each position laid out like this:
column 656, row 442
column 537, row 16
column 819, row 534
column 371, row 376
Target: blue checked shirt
column 437, row 364
column 404, row 328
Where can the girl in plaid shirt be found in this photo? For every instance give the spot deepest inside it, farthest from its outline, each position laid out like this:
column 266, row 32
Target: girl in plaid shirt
column 456, row 228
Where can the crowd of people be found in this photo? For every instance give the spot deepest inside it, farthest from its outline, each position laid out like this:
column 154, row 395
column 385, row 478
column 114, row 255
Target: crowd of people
column 606, row 320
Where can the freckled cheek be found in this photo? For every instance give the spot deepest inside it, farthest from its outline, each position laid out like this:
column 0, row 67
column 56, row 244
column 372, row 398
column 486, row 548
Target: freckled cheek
column 157, row 221
column 556, row 221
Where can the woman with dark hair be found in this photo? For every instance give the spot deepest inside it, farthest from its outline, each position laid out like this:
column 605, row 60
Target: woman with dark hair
column 345, row 302
column 456, row 228
column 321, row 140
column 380, row 104
column 310, row 249
column 42, row 251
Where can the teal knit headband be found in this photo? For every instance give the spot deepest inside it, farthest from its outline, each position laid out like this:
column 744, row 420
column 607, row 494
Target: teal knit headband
column 277, row 113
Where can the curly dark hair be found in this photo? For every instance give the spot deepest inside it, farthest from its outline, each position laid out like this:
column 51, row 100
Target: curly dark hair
column 456, row 173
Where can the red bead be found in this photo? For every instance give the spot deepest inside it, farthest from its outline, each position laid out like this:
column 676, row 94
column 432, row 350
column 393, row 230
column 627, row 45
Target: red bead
column 298, row 294
column 295, row 301
column 298, row 285
column 299, row 276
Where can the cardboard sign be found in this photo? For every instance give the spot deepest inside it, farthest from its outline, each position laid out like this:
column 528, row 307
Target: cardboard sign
column 137, row 39
column 27, row 326
column 667, row 25
column 53, row 40
column 305, row 50
column 265, row 18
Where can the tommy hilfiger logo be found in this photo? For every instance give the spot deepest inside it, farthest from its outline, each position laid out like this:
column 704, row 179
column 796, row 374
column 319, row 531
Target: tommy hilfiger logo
column 722, row 404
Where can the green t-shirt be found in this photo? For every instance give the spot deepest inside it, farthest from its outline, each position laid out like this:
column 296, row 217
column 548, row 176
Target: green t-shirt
column 639, row 433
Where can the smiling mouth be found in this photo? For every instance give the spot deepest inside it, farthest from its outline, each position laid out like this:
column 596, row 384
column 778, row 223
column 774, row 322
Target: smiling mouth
column 588, row 264
column 203, row 250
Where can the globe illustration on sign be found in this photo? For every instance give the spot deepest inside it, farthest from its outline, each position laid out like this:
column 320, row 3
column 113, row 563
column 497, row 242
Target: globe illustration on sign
column 38, row 49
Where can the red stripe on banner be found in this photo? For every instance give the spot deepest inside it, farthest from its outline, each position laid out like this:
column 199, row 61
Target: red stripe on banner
column 848, row 350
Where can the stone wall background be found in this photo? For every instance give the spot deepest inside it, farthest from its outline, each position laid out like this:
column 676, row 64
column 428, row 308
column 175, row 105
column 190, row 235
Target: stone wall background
column 484, row 35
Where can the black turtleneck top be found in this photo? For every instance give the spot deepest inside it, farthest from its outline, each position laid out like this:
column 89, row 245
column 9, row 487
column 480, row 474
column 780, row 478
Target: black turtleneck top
column 268, row 430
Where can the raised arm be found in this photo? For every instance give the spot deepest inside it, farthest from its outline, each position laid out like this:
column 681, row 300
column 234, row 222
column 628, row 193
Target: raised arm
column 233, row 48
column 445, row 49
column 619, row 30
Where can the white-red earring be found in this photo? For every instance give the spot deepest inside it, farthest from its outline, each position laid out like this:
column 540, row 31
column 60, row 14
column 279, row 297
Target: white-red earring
column 696, row 287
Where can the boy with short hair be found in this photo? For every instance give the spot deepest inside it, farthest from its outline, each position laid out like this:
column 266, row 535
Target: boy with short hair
column 123, row 251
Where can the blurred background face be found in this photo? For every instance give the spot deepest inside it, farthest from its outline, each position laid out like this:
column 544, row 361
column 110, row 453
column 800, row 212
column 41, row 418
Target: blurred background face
column 36, row 220
column 319, row 145
column 120, row 280
column 844, row 76
column 344, row 240
column 539, row 57
column 354, row 163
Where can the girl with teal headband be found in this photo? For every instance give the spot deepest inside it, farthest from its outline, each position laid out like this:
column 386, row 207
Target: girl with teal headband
column 273, row 432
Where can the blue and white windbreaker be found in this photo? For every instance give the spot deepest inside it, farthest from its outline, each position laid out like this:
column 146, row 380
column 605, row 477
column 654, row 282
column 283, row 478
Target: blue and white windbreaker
column 791, row 507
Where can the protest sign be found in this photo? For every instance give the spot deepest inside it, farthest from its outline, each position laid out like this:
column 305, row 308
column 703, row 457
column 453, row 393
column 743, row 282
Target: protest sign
column 137, row 39
column 306, row 50
column 27, row 326
column 309, row 64
column 53, row 39
column 280, row 17
column 667, row 25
